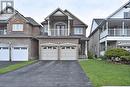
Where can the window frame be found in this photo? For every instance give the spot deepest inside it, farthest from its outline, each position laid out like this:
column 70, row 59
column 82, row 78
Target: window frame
column 78, row 30
column 17, row 27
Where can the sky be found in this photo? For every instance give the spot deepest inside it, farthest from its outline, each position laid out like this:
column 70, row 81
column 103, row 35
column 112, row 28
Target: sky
column 85, row 10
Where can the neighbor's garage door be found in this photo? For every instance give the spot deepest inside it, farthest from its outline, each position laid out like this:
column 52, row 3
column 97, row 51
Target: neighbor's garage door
column 68, row 53
column 19, row 54
column 4, row 53
column 49, row 53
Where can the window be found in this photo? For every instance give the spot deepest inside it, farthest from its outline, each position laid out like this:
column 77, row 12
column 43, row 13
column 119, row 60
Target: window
column 126, row 15
column 17, row 27
column 45, row 28
column 24, row 48
column 78, row 30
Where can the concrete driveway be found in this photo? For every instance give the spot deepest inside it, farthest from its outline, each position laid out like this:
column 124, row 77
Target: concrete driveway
column 47, row 74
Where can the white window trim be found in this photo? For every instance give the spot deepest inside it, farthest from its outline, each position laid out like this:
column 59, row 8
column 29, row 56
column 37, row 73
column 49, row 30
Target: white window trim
column 79, row 31
column 17, row 27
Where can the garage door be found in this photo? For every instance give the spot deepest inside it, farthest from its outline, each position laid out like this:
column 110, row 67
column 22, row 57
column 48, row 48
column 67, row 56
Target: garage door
column 68, row 53
column 19, row 54
column 49, row 53
column 4, row 53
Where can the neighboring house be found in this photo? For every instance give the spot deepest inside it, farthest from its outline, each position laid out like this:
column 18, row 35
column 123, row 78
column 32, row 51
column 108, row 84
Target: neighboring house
column 63, row 37
column 17, row 42
column 111, row 32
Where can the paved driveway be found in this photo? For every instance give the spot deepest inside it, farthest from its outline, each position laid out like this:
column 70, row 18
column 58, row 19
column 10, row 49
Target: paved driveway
column 47, row 74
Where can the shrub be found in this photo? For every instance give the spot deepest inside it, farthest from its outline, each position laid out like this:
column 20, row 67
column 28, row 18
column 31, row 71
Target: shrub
column 116, row 52
column 125, row 57
column 90, row 55
column 103, row 57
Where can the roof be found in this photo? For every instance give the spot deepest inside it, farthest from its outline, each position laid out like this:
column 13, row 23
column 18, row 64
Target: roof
column 101, row 21
column 61, row 37
column 73, row 16
column 98, row 21
column 57, row 37
column 15, row 36
column 58, row 9
column 32, row 21
column 125, row 5
column 67, row 13
column 5, row 17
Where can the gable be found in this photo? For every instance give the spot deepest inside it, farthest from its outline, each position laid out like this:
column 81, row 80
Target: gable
column 94, row 26
column 76, row 21
column 59, row 13
column 121, row 14
column 17, row 18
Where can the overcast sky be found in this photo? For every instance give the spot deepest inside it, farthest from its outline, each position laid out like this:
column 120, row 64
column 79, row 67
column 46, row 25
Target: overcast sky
column 86, row 10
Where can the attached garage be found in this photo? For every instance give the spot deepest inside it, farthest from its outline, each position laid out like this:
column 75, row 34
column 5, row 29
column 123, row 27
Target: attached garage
column 4, row 53
column 68, row 53
column 19, row 53
column 50, row 51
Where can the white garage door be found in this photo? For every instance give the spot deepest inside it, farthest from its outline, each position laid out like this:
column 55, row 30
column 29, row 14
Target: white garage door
column 19, row 54
column 49, row 53
column 4, row 53
column 68, row 53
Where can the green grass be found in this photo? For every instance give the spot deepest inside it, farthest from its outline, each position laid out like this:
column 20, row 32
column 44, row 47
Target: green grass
column 15, row 66
column 102, row 73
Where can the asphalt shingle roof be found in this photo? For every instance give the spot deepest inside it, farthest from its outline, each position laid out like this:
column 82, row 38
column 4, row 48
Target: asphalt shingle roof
column 98, row 21
column 32, row 21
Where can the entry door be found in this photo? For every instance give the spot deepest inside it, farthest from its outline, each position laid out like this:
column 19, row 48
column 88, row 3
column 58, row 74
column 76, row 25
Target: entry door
column 49, row 53
column 60, row 30
column 19, row 54
column 4, row 53
column 68, row 53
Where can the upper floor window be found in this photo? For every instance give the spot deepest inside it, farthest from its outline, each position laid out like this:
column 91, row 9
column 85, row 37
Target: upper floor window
column 78, row 30
column 126, row 15
column 45, row 28
column 17, row 27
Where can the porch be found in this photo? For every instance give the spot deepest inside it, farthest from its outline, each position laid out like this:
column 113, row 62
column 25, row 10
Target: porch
column 115, row 28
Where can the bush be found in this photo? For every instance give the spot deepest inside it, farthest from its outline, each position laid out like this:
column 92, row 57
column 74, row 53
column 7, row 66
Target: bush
column 103, row 57
column 125, row 57
column 116, row 52
column 90, row 55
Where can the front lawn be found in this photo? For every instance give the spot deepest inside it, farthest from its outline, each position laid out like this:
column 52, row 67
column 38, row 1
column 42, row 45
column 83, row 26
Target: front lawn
column 15, row 66
column 102, row 73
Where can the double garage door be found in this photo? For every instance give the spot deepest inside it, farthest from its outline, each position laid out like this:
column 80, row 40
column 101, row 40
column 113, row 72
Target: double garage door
column 19, row 53
column 59, row 52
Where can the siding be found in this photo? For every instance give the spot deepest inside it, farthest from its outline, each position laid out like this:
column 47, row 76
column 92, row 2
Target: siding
column 94, row 43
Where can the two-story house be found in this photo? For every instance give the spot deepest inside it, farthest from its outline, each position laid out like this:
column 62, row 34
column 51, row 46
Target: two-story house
column 63, row 37
column 111, row 32
column 17, row 42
